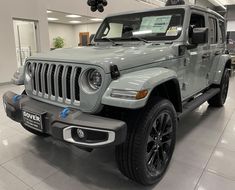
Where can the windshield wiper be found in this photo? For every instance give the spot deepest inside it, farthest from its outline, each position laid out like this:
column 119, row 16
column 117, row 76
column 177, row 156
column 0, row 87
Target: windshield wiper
column 113, row 42
column 138, row 38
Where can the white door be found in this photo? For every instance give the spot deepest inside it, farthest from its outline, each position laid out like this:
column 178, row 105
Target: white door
column 25, row 39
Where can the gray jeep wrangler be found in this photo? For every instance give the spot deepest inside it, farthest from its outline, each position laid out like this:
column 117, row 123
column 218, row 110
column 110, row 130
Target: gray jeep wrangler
column 145, row 71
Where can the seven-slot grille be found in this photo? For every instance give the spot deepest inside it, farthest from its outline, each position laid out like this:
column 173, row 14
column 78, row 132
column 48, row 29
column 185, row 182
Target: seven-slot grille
column 56, row 82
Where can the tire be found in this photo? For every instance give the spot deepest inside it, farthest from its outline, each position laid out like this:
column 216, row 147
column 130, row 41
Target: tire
column 219, row 99
column 147, row 152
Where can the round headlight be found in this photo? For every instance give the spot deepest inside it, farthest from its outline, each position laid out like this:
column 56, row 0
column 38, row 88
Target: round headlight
column 94, row 79
column 29, row 69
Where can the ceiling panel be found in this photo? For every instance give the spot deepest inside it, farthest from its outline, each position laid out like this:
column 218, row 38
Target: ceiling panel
column 66, row 20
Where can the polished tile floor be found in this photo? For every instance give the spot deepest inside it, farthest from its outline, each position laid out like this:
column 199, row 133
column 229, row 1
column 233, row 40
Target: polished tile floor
column 204, row 157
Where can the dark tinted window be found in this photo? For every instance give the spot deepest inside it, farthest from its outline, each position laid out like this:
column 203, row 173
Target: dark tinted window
column 196, row 21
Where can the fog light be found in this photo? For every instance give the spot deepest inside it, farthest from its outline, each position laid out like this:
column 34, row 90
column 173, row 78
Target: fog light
column 80, row 133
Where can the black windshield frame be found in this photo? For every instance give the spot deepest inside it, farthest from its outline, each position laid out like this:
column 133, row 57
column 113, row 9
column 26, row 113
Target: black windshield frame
column 153, row 37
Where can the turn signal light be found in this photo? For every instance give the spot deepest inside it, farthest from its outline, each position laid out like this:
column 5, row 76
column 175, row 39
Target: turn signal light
column 141, row 94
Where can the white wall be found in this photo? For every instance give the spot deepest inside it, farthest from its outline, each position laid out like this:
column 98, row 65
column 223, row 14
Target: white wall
column 67, row 32
column 231, row 18
column 27, row 9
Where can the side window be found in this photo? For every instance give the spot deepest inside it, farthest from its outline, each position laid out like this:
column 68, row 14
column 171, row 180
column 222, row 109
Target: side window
column 114, row 31
column 213, row 30
column 196, row 21
column 221, row 32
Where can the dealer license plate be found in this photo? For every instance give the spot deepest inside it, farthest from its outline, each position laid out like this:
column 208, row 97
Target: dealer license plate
column 33, row 120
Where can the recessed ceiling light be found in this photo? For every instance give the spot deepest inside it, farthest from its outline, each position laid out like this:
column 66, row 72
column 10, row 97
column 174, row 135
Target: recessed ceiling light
column 97, row 19
column 73, row 16
column 49, row 11
column 75, row 21
column 52, row 19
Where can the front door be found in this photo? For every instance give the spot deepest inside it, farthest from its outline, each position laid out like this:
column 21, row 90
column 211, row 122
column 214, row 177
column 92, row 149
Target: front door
column 196, row 77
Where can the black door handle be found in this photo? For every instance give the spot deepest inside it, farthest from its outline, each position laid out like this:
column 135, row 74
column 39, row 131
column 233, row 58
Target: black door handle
column 206, row 55
column 217, row 53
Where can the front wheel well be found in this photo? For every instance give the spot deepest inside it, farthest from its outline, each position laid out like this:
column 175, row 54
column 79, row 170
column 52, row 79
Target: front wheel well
column 171, row 91
column 228, row 64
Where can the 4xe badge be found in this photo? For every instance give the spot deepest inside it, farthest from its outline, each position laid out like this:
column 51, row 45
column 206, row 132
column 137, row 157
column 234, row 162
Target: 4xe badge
column 31, row 116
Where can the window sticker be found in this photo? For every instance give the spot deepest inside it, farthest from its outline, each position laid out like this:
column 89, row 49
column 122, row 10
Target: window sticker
column 172, row 31
column 157, row 24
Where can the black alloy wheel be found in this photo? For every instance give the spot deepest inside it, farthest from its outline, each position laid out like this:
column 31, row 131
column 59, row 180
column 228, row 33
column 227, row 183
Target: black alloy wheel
column 159, row 143
column 149, row 146
column 219, row 99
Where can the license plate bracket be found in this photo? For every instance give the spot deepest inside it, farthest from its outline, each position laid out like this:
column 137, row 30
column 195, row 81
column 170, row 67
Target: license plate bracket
column 33, row 120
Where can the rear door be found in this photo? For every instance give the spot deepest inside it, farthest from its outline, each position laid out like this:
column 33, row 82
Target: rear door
column 213, row 42
column 217, row 43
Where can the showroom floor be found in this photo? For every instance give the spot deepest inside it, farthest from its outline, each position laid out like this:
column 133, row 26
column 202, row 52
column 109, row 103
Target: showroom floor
column 204, row 157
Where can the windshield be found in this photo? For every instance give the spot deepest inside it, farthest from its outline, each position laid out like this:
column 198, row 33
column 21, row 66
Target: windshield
column 151, row 26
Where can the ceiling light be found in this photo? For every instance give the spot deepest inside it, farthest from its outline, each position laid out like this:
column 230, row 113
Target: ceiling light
column 158, row 3
column 73, row 16
column 75, row 21
column 97, row 19
column 49, row 11
column 52, row 19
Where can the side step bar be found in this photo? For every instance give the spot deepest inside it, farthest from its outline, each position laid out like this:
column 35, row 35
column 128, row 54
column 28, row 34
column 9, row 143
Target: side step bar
column 192, row 105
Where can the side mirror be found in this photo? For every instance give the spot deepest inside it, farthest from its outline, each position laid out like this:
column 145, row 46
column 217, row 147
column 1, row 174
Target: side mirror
column 199, row 36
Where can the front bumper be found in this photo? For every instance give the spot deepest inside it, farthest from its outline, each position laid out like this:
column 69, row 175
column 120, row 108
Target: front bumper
column 85, row 130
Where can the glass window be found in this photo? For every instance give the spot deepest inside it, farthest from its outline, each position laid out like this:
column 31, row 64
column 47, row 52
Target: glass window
column 196, row 21
column 221, row 32
column 153, row 25
column 231, row 42
column 213, row 30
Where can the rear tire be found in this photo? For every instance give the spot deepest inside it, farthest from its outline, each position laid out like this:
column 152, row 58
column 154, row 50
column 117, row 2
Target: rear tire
column 219, row 99
column 149, row 146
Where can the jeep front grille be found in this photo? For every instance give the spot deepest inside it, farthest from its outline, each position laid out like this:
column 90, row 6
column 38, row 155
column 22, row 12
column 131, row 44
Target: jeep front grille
column 56, row 82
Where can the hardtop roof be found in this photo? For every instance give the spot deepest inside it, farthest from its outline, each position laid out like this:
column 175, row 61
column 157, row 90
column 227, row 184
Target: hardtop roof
column 207, row 10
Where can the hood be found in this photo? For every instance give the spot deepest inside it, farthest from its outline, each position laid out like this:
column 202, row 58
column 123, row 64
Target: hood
column 125, row 57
